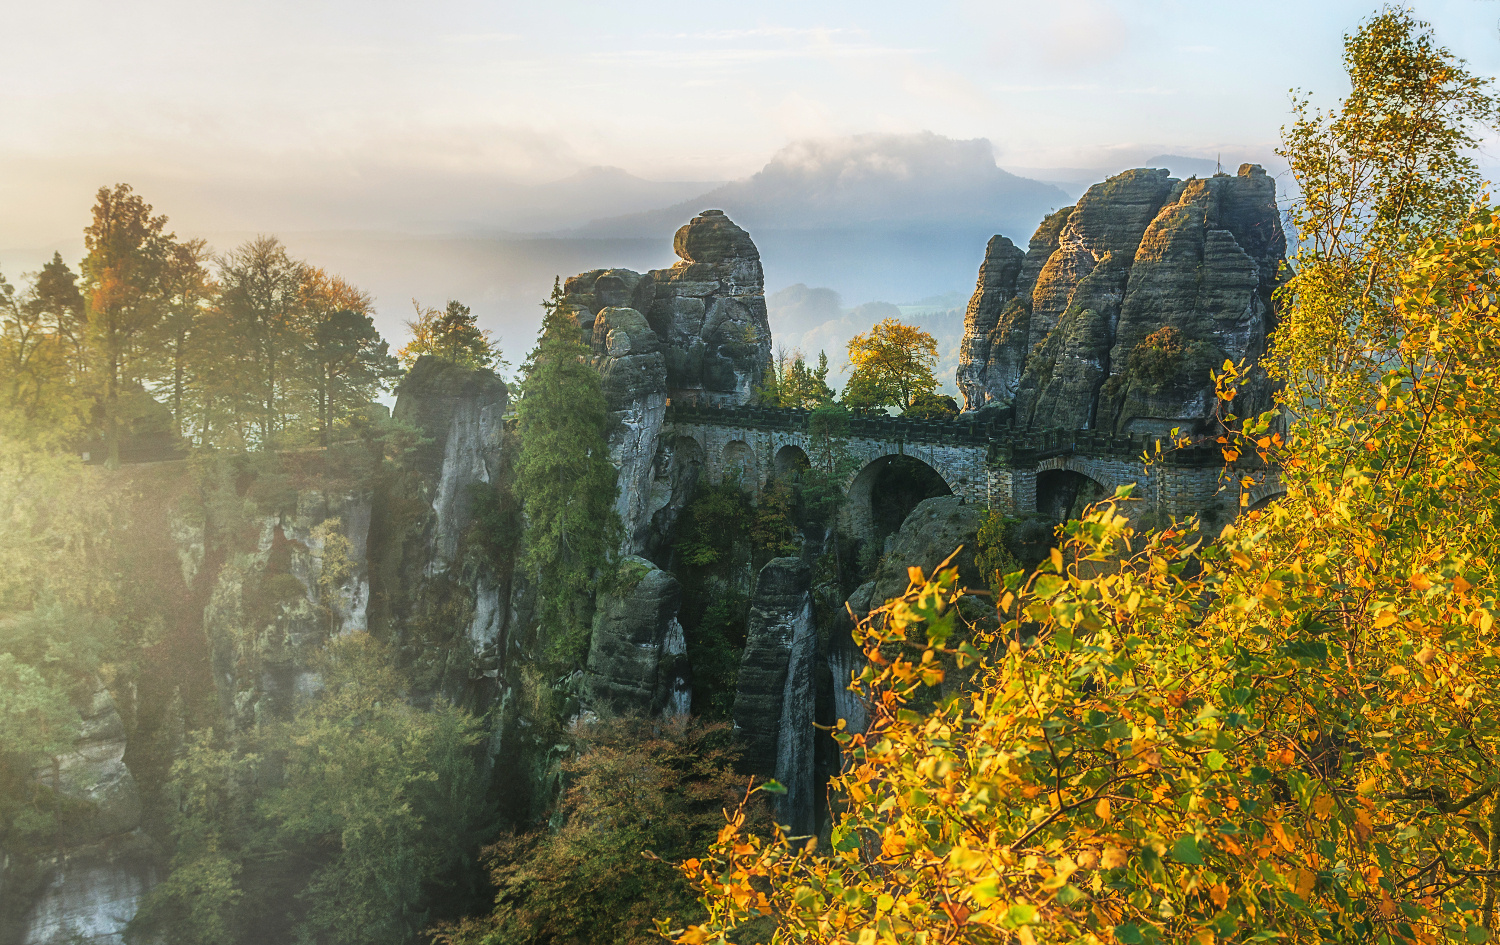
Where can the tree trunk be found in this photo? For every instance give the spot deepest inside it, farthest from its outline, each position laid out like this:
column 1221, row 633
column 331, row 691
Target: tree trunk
column 111, row 410
column 177, row 383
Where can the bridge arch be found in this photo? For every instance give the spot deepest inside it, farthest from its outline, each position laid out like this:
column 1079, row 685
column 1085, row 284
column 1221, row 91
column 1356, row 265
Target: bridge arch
column 1259, row 496
column 1062, row 494
column 790, row 460
column 738, row 460
column 1065, row 485
column 886, row 490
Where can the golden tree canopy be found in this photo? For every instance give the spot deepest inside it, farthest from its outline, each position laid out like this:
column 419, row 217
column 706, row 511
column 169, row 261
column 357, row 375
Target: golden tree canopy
column 1287, row 734
column 893, row 363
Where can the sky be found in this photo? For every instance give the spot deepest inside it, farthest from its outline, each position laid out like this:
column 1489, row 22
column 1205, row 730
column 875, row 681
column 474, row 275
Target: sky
column 311, row 115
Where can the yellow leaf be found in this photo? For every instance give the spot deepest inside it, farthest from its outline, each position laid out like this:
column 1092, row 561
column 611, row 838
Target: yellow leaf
column 1384, row 619
column 1288, row 841
column 914, row 574
column 1240, row 558
column 1306, row 879
column 1113, row 857
column 1363, row 826
column 1101, row 809
column 1057, row 561
column 1219, row 894
column 1421, row 582
column 694, row 935
column 1323, row 805
column 1460, row 585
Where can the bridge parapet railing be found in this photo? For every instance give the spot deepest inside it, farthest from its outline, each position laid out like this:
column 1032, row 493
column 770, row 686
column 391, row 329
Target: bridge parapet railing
column 1004, row 442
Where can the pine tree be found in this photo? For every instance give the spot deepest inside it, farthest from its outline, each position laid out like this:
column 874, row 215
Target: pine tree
column 452, row 334
column 565, row 479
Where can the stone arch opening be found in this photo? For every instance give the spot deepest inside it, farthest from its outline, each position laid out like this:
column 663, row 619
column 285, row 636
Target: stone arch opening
column 1063, row 494
column 885, row 492
column 1257, row 505
column 737, row 462
column 791, row 460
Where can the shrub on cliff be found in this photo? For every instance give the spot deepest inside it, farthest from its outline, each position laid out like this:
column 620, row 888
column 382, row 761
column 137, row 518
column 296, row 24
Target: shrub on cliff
column 641, row 794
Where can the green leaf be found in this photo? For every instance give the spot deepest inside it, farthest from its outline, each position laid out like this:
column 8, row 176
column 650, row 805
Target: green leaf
column 1185, row 850
column 1129, row 934
column 1019, row 914
column 1049, row 585
column 772, row 787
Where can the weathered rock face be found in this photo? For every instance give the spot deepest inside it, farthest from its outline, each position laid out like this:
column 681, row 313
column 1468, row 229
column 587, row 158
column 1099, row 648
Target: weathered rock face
column 708, row 311
column 421, row 515
column 929, row 535
column 633, row 665
column 694, row 333
column 775, row 704
column 271, row 608
column 994, row 345
column 103, row 864
column 461, row 412
column 1123, row 304
column 91, row 892
column 629, row 357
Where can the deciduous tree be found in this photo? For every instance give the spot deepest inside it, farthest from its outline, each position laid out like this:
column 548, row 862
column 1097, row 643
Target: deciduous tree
column 893, row 363
column 1393, row 161
column 260, row 298
column 350, row 362
column 123, row 293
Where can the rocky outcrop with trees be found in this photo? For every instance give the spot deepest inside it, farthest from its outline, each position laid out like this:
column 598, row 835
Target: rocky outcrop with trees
column 1120, row 308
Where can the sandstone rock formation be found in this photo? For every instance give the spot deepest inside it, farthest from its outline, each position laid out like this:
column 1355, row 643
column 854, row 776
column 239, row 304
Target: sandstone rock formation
column 633, row 652
column 103, row 864
column 928, row 535
column 775, row 704
column 418, row 526
column 1122, row 305
column 708, row 311
column 696, row 332
column 629, row 355
column 268, row 612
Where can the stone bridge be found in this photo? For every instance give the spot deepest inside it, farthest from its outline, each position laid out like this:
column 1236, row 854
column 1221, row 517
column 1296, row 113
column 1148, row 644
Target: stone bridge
column 1015, row 472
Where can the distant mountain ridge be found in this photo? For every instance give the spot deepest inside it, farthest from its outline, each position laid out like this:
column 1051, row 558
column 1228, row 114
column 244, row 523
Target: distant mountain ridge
column 893, row 181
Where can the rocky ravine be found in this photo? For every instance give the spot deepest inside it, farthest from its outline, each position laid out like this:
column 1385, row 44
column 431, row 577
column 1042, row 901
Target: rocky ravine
column 1121, row 306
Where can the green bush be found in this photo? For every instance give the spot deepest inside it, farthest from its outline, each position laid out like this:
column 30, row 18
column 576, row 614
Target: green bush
column 642, row 796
